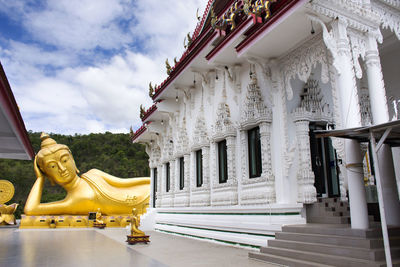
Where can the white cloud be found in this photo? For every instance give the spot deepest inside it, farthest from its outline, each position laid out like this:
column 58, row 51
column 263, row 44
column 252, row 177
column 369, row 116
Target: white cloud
column 80, row 24
column 81, row 96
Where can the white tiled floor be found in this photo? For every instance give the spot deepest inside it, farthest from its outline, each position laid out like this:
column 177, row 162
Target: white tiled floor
column 94, row 247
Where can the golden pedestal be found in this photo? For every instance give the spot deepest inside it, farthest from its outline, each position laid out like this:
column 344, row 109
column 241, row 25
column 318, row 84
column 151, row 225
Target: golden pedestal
column 73, row 221
column 133, row 239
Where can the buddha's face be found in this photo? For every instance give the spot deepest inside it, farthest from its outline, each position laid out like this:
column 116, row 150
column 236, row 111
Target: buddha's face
column 60, row 166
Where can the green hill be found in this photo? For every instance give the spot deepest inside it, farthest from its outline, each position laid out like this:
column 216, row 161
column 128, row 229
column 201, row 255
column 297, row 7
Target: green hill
column 112, row 153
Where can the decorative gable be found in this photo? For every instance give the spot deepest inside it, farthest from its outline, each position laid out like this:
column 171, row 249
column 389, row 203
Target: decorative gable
column 255, row 111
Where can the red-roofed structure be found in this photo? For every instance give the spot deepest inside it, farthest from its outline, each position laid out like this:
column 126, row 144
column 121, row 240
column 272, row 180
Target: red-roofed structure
column 14, row 139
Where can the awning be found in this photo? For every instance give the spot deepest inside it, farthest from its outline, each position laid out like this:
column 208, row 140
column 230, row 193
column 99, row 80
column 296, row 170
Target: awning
column 362, row 134
column 385, row 133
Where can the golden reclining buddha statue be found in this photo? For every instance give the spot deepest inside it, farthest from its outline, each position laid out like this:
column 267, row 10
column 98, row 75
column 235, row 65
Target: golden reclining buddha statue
column 91, row 191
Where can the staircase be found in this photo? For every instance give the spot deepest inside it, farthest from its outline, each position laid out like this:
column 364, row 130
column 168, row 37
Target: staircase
column 328, row 240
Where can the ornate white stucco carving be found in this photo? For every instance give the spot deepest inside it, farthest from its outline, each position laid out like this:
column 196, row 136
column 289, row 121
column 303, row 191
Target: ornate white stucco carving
column 337, row 143
column 223, row 126
column 225, row 193
column 254, row 110
column 167, row 149
column 365, row 107
column 312, row 107
column 357, row 15
column 182, row 196
column 200, row 135
column 256, row 113
column 358, row 48
column 301, row 61
column 182, row 142
column 154, row 153
column 201, row 195
column 389, row 14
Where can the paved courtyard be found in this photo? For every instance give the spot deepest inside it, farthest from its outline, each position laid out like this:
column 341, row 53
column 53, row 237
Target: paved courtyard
column 107, row 247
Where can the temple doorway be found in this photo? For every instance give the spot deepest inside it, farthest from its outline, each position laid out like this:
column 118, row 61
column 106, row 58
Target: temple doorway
column 324, row 163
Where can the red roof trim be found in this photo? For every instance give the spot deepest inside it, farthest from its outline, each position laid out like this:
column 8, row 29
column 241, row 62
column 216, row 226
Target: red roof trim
column 187, row 59
column 222, row 44
column 149, row 111
column 201, row 38
column 140, row 131
column 11, row 108
column 282, row 9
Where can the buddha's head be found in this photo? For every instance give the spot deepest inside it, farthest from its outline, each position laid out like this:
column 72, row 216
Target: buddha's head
column 55, row 161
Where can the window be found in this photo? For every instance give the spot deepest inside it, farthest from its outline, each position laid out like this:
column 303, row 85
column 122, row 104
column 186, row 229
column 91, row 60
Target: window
column 154, row 186
column 167, row 176
column 222, row 162
column 199, row 168
column 181, row 173
column 254, row 143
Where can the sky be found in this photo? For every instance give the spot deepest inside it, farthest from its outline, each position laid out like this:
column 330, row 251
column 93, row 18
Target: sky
column 84, row 66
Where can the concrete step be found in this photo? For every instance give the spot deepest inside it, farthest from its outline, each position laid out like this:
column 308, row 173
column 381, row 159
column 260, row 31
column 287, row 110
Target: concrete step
column 337, row 229
column 320, row 258
column 344, row 251
column 348, row 241
column 330, row 200
column 341, row 209
column 331, row 205
column 284, row 260
column 329, row 219
column 339, row 213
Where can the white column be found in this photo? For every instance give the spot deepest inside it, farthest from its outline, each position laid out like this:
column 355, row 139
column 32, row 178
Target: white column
column 172, row 176
column 230, row 150
column 350, row 111
column 380, row 114
column 265, row 138
column 206, row 166
column 305, row 177
column 186, row 160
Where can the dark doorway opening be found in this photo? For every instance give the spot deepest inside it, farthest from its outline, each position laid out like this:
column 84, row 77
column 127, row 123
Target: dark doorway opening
column 324, row 163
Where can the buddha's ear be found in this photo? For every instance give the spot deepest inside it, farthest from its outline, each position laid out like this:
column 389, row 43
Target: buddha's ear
column 77, row 170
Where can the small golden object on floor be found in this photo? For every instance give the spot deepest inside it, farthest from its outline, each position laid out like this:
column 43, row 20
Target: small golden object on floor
column 99, row 223
column 132, row 240
column 136, row 236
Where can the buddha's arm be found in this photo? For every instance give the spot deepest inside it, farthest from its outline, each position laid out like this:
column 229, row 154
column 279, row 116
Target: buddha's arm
column 119, row 182
column 33, row 205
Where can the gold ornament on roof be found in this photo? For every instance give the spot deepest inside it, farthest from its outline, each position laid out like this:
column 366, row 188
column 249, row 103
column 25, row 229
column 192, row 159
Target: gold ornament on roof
column 168, row 67
column 259, row 8
column 142, row 111
column 151, row 90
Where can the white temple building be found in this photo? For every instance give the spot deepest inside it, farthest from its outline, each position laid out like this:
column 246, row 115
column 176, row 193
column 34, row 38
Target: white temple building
column 233, row 153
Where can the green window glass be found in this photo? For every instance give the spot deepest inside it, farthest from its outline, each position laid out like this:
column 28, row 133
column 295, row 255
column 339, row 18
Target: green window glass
column 199, row 168
column 254, row 143
column 167, row 178
column 222, row 162
column 181, row 173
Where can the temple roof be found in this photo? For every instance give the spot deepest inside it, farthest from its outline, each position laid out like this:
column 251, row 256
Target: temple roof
column 212, row 34
column 14, row 139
